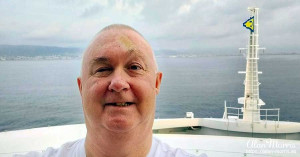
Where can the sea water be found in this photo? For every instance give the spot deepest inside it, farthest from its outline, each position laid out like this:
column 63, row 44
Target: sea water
column 45, row 93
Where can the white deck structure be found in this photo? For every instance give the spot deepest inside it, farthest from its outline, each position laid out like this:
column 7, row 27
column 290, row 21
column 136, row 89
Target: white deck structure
column 39, row 139
column 249, row 117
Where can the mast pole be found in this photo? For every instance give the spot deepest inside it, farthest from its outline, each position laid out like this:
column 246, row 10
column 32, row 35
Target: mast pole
column 252, row 102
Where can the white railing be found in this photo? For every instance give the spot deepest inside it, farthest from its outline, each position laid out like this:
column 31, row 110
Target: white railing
column 264, row 115
column 236, row 112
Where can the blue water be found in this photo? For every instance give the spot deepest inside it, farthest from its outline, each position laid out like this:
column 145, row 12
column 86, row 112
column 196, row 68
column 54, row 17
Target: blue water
column 44, row 93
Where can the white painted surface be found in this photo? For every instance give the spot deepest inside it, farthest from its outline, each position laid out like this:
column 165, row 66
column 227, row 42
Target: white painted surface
column 237, row 125
column 39, row 139
column 226, row 146
column 240, row 125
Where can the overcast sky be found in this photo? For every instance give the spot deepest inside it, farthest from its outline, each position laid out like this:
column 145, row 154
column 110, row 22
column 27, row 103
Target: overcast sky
column 191, row 25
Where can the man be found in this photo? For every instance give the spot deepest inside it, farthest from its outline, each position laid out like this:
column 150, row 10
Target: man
column 118, row 85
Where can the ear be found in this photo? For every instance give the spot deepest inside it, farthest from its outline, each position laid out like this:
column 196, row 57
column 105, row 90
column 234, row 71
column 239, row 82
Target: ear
column 79, row 83
column 158, row 81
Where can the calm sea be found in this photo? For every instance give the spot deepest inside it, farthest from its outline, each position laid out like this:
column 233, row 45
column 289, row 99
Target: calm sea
column 44, row 93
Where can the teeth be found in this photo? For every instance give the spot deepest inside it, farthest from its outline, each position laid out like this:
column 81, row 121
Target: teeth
column 120, row 104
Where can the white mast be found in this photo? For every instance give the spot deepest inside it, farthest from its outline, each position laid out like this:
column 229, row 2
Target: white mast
column 251, row 99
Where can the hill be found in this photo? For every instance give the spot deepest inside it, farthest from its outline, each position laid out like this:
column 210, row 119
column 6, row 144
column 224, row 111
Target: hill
column 33, row 51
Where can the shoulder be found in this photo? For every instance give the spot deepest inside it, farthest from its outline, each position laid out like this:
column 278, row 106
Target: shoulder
column 159, row 148
column 70, row 149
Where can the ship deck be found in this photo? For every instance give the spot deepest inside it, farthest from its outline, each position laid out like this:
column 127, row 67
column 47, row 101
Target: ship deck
column 38, row 139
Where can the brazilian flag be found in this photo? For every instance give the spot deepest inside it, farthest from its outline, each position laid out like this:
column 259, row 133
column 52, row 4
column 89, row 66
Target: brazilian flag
column 249, row 24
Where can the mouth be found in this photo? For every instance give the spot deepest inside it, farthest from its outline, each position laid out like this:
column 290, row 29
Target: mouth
column 119, row 104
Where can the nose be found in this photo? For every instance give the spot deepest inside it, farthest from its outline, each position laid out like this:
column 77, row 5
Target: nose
column 118, row 84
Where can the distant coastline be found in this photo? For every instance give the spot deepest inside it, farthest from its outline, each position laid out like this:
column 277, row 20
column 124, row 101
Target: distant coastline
column 36, row 58
column 58, row 57
column 217, row 55
column 34, row 52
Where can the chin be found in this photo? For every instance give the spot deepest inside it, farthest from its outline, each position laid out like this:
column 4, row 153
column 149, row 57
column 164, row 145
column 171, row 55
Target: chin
column 120, row 125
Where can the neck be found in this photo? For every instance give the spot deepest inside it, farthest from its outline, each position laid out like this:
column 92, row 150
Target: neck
column 110, row 144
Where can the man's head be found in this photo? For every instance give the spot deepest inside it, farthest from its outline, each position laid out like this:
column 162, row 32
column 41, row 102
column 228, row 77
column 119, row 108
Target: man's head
column 119, row 81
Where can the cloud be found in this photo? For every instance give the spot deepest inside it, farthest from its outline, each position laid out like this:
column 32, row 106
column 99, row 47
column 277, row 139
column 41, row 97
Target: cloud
column 168, row 24
column 131, row 8
column 43, row 33
column 92, row 11
column 94, row 8
column 185, row 8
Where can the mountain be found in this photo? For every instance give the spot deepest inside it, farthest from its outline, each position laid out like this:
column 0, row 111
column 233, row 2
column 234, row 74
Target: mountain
column 33, row 50
column 11, row 52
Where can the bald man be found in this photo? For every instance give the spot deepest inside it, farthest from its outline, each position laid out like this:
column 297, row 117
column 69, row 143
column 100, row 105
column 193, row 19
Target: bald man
column 118, row 85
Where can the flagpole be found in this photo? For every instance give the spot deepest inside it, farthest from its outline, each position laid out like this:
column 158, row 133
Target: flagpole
column 251, row 100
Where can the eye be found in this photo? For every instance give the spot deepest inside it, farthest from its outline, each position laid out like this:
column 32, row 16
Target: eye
column 135, row 67
column 103, row 71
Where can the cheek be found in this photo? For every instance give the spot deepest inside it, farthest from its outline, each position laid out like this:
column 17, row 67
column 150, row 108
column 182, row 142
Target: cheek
column 93, row 92
column 144, row 91
column 92, row 96
column 98, row 88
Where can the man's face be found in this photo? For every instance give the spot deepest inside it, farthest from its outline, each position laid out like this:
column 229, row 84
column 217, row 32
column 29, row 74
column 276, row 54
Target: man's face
column 119, row 82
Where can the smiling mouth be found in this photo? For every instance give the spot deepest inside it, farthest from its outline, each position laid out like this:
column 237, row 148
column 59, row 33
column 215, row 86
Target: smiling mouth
column 122, row 104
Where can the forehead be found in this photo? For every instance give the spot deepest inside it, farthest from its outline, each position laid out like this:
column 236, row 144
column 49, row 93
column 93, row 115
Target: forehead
column 119, row 40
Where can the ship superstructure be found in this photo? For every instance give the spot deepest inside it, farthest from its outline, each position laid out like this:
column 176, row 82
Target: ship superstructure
column 251, row 110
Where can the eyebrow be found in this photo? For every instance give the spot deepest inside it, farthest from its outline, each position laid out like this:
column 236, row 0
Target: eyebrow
column 99, row 60
column 132, row 53
column 136, row 53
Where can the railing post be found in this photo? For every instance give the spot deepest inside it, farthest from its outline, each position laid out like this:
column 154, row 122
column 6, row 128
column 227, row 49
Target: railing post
column 266, row 114
column 278, row 118
column 225, row 115
column 278, row 113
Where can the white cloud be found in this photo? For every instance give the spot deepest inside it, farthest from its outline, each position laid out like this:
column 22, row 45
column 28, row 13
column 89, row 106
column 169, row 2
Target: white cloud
column 133, row 9
column 194, row 1
column 168, row 24
column 185, row 8
column 84, row 30
column 92, row 10
column 44, row 33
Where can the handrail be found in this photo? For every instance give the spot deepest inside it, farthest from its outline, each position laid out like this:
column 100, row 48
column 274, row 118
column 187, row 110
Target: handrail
column 239, row 112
